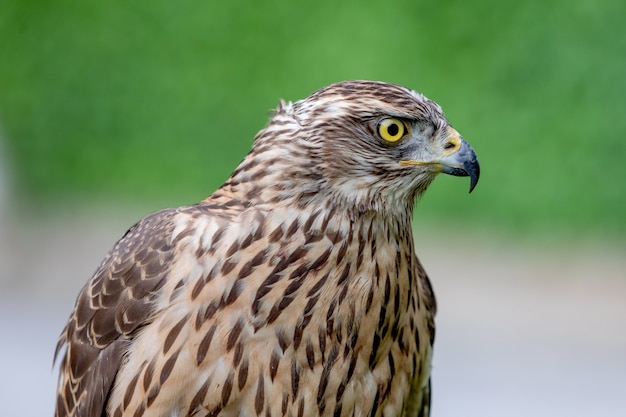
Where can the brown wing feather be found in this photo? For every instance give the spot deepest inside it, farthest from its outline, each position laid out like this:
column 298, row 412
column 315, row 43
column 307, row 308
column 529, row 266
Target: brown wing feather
column 110, row 308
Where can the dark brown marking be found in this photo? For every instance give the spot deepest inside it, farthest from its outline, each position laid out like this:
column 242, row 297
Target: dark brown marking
column 260, row 230
column 378, row 273
column 301, row 408
column 283, row 340
column 310, row 354
column 330, row 317
column 265, row 287
column 321, row 389
column 259, row 398
column 396, row 301
column 361, row 246
column 218, row 236
column 154, row 392
column 322, row 341
column 295, row 377
column 142, row 409
column 228, row 387
column 346, row 351
column 370, row 298
column 283, row 263
column 198, row 399
column 342, row 294
column 201, row 251
column 233, row 294
column 249, row 266
column 242, row 376
column 351, row 368
column 298, row 274
column 383, row 310
column 278, row 308
column 329, row 215
column 307, row 225
column 340, row 389
column 373, row 245
column 334, row 236
column 276, row 235
column 401, row 343
column 376, row 403
column 337, row 412
column 395, row 328
column 374, row 354
column 147, row 376
column 130, row 390
column 182, row 235
column 297, row 332
column 417, row 339
column 168, row 366
column 246, row 242
column 173, row 334
column 318, row 285
column 274, row 362
column 345, row 274
column 353, row 339
column 292, row 227
column 298, row 254
column 392, row 365
column 238, row 354
column 342, row 252
column 313, row 237
column 359, row 260
column 322, row 259
column 197, row 288
column 370, row 232
column 234, row 334
column 203, row 347
column 213, row 273
column 285, row 404
column 228, row 266
column 207, row 314
column 321, row 405
column 178, row 286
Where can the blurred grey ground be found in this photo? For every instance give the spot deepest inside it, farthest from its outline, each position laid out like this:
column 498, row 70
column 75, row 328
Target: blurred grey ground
column 519, row 332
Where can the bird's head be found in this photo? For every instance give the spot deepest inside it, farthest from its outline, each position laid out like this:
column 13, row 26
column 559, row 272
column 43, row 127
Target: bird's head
column 369, row 145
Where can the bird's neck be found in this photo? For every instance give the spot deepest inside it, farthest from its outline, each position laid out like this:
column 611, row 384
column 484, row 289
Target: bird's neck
column 280, row 195
column 274, row 185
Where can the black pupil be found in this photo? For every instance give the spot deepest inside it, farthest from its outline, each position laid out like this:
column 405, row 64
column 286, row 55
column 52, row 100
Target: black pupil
column 393, row 129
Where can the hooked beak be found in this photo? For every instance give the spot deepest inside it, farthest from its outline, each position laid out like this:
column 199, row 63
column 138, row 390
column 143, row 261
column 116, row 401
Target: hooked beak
column 459, row 161
column 462, row 163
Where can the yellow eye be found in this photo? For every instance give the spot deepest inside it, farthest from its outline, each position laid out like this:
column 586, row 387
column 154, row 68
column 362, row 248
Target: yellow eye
column 392, row 130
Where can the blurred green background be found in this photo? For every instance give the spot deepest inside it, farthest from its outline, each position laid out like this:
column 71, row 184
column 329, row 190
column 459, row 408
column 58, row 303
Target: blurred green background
column 155, row 102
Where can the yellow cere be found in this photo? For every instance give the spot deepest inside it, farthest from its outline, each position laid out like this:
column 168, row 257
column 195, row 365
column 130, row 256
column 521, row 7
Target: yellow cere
column 453, row 143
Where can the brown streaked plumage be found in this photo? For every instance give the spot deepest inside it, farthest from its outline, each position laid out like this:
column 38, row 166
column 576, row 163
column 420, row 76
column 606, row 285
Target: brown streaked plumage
column 293, row 290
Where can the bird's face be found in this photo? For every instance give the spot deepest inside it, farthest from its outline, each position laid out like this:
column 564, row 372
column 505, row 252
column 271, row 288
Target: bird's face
column 379, row 144
column 433, row 150
column 361, row 145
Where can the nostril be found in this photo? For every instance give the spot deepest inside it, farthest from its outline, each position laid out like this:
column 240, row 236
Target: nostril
column 449, row 145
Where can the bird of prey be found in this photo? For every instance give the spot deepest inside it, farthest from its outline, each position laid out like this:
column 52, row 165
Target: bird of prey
column 293, row 290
